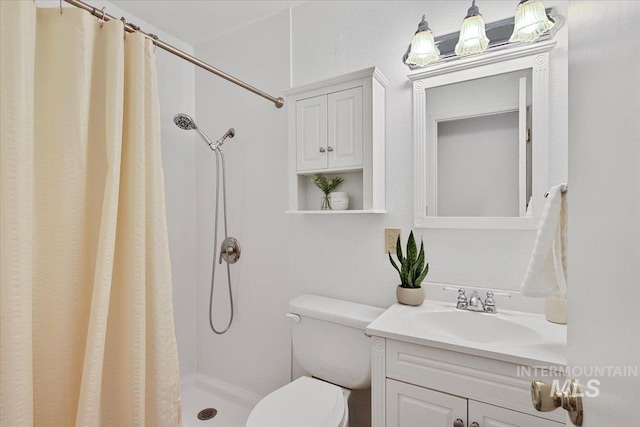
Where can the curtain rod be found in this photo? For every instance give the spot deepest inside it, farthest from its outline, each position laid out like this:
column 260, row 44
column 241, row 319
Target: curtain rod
column 132, row 28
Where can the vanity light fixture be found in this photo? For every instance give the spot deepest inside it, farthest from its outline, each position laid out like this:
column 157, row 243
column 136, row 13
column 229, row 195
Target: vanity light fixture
column 531, row 21
column 423, row 50
column 473, row 36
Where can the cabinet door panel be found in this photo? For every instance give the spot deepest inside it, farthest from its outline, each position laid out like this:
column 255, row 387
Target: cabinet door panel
column 311, row 133
column 412, row 406
column 345, row 128
column 493, row 416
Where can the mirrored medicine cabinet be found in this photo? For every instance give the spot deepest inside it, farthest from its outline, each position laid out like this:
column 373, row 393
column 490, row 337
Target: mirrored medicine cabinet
column 481, row 140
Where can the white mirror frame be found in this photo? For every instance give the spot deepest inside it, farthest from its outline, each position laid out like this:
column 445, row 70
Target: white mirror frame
column 534, row 57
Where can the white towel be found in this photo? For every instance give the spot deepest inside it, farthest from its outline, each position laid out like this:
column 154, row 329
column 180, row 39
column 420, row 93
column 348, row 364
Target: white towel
column 547, row 271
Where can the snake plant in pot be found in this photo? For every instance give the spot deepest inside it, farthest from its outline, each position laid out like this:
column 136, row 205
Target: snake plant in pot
column 412, row 271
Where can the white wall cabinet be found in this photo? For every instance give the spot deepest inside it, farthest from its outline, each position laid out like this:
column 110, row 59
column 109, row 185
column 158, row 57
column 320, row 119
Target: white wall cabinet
column 329, row 131
column 311, row 133
column 415, row 386
column 336, row 127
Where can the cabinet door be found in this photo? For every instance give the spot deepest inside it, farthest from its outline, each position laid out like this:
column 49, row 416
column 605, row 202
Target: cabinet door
column 311, row 133
column 494, row 416
column 412, row 406
column 344, row 144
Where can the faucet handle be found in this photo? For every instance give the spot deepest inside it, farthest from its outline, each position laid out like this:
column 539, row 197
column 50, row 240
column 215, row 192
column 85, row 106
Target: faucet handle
column 490, row 303
column 462, row 299
column 462, row 296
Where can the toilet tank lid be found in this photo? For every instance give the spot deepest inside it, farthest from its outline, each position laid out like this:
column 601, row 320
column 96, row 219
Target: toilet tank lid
column 334, row 310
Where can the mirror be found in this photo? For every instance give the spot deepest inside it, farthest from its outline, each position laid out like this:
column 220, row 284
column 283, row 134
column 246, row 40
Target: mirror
column 477, row 148
column 481, row 142
column 478, row 167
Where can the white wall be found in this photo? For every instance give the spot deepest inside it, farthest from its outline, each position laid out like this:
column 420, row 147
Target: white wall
column 343, row 256
column 255, row 354
column 176, row 86
column 604, row 205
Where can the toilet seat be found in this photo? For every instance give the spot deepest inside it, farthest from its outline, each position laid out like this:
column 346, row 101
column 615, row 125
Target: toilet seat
column 305, row 402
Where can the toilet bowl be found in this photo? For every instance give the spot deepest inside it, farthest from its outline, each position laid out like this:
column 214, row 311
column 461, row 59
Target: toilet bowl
column 328, row 342
column 305, row 402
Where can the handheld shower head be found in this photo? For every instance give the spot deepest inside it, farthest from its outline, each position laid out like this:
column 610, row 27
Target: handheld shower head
column 184, row 122
column 229, row 134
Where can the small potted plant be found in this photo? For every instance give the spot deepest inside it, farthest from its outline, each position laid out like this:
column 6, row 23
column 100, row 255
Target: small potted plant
column 412, row 272
column 326, row 186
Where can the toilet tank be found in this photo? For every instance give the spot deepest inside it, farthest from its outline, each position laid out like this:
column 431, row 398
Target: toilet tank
column 329, row 340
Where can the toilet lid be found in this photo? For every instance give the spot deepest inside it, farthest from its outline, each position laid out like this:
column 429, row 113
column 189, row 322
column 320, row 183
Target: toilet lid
column 306, row 402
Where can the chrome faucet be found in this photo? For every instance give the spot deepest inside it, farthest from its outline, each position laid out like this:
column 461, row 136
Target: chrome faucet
column 475, row 303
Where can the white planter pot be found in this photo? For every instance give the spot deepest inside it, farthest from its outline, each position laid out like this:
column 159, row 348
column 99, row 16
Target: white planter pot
column 410, row 296
column 339, row 200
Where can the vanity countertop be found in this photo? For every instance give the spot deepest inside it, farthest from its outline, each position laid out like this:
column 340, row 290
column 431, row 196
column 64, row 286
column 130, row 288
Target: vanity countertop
column 511, row 336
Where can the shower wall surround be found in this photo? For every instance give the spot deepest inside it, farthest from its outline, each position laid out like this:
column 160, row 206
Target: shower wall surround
column 176, row 86
column 255, row 353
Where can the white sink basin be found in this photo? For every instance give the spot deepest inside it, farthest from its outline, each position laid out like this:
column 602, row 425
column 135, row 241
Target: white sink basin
column 476, row 327
column 511, row 336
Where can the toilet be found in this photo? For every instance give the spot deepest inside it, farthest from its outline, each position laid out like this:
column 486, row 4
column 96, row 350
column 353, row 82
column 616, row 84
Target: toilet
column 329, row 343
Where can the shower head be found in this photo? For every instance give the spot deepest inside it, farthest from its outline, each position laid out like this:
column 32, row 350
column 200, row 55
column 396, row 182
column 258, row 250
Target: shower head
column 184, row 122
column 230, row 134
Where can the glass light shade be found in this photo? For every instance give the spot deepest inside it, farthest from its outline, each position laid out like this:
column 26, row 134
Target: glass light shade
column 473, row 36
column 531, row 22
column 423, row 50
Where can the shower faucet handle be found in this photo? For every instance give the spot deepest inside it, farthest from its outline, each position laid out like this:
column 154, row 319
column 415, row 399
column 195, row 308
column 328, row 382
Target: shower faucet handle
column 229, row 251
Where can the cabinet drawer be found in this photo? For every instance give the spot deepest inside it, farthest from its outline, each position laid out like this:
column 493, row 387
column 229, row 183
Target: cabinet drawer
column 485, row 380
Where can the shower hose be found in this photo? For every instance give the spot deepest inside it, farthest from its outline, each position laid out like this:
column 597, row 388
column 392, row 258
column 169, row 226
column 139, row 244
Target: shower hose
column 219, row 159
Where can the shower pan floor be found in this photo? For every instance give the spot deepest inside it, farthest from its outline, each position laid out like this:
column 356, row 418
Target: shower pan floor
column 195, row 399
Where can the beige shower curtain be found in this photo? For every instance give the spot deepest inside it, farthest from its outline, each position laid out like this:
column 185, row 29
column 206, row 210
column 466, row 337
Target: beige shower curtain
column 86, row 334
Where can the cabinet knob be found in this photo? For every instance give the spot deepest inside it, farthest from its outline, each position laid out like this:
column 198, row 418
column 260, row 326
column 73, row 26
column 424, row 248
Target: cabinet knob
column 458, row 423
column 322, row 149
column 329, row 148
column 474, row 424
column 545, row 398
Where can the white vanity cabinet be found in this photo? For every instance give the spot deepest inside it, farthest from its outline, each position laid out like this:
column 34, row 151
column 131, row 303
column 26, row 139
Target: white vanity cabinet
column 336, row 127
column 412, row 406
column 415, row 385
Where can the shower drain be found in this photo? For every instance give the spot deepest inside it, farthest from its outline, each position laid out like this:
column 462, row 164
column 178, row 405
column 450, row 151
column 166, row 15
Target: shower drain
column 207, row 414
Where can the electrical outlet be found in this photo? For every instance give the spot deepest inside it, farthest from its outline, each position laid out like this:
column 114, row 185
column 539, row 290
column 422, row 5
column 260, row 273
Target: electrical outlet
column 390, row 238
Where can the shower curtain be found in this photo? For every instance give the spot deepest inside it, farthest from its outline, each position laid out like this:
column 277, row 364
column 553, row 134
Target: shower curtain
column 86, row 333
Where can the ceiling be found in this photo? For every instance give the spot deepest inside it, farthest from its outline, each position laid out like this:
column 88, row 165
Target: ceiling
column 198, row 21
